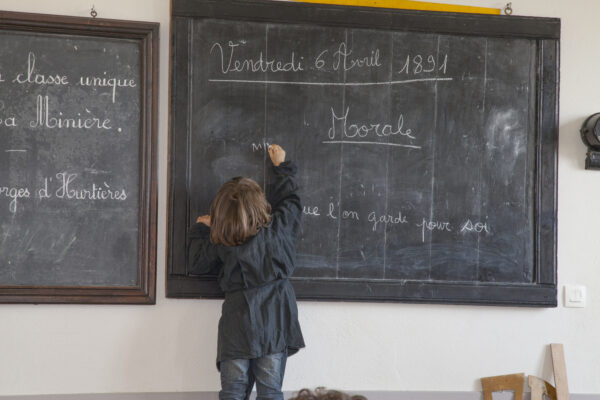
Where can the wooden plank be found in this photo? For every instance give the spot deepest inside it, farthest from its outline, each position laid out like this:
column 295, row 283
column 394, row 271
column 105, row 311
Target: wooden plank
column 409, row 5
column 540, row 387
column 514, row 382
column 560, row 371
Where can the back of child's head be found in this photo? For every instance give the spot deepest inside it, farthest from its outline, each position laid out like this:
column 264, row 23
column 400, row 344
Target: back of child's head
column 238, row 211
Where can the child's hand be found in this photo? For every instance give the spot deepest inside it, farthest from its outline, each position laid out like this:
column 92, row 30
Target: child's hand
column 277, row 154
column 205, row 219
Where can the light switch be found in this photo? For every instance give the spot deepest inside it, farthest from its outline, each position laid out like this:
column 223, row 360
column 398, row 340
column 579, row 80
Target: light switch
column 574, row 296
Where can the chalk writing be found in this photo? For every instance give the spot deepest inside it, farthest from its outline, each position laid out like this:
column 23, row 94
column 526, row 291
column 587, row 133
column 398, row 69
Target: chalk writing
column 478, row 227
column 263, row 146
column 8, row 121
column 417, row 64
column 110, row 82
column 427, row 225
column 341, row 59
column 44, row 193
column 31, row 76
column 45, row 120
column 229, row 62
column 376, row 220
column 345, row 214
column 362, row 130
column 386, row 219
column 311, row 210
column 349, row 214
column 14, row 193
column 67, row 190
column 330, row 212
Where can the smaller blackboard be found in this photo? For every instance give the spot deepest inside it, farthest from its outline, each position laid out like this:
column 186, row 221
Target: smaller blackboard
column 77, row 159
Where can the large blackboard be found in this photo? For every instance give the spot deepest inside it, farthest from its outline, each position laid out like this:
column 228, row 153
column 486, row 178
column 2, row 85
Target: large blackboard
column 426, row 144
column 76, row 160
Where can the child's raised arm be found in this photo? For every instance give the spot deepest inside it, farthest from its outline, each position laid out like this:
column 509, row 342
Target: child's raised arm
column 283, row 193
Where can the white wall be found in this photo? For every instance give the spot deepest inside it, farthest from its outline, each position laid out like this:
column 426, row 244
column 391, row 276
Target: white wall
column 170, row 347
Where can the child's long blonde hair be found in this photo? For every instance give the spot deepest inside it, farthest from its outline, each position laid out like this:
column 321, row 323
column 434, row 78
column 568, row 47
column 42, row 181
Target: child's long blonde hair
column 238, row 211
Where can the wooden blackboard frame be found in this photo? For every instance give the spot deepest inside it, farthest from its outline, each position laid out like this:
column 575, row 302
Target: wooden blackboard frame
column 146, row 35
column 542, row 292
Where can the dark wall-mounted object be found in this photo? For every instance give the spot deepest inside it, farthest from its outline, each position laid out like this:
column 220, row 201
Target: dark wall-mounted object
column 78, row 159
column 590, row 135
column 426, row 144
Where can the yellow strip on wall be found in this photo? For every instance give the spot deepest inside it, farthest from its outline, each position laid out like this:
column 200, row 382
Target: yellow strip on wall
column 408, row 5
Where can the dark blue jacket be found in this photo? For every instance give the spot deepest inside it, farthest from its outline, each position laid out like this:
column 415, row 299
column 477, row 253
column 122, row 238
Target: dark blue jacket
column 259, row 315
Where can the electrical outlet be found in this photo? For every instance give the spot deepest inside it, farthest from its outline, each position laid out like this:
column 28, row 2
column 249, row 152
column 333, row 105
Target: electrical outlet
column 575, row 296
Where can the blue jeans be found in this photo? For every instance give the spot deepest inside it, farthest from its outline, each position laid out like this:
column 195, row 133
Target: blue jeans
column 238, row 377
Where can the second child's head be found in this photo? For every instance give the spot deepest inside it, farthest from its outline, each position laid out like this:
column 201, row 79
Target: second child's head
column 238, row 211
column 323, row 394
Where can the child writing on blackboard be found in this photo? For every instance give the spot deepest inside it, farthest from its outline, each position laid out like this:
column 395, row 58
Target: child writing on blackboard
column 251, row 245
